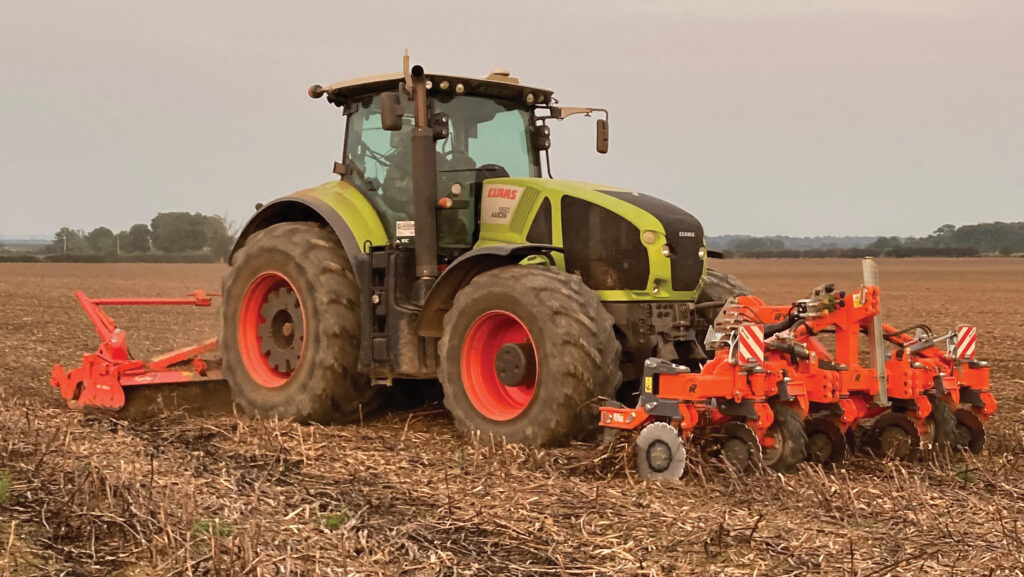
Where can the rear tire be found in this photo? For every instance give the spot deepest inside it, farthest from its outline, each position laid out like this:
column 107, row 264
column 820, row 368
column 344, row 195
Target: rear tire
column 315, row 378
column 575, row 356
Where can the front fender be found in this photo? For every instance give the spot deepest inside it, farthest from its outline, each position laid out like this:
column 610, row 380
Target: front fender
column 462, row 270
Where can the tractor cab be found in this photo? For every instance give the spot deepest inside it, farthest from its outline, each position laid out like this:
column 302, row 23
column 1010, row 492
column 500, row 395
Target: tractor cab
column 480, row 129
column 477, row 138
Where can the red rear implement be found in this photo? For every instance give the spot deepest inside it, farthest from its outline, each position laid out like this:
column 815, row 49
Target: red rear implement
column 101, row 379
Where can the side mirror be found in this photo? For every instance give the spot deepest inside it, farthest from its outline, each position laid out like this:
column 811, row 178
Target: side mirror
column 541, row 137
column 602, row 135
column 391, row 111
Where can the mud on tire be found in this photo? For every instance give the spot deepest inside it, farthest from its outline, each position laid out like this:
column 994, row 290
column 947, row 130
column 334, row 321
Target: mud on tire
column 577, row 354
column 325, row 385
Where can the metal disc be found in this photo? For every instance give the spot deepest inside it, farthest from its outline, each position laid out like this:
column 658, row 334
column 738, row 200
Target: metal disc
column 970, row 430
column 896, row 435
column 741, row 447
column 660, row 453
column 826, row 442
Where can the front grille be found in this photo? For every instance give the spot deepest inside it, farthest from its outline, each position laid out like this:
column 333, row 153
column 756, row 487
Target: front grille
column 602, row 247
column 684, row 234
column 687, row 266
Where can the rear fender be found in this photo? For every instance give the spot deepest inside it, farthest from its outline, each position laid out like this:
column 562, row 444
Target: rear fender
column 462, row 270
column 335, row 204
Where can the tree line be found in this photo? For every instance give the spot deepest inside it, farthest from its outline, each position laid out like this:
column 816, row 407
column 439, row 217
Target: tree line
column 991, row 238
column 168, row 233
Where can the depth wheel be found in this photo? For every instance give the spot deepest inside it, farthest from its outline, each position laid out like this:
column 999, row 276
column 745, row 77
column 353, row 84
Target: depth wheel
column 741, row 448
column 290, row 331
column 826, row 443
column 944, row 426
column 970, row 431
column 660, row 453
column 525, row 354
column 896, row 435
column 789, row 440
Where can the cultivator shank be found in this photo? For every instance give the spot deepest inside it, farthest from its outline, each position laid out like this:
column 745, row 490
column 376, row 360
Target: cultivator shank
column 771, row 370
column 103, row 376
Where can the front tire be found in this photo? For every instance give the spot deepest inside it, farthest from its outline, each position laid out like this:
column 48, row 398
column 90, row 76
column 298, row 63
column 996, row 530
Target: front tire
column 290, row 331
column 525, row 354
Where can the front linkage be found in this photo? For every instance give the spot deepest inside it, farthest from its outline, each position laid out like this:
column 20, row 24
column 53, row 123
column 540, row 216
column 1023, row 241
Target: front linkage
column 776, row 394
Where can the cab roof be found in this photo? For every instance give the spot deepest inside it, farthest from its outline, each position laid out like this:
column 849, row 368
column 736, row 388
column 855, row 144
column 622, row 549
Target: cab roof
column 499, row 84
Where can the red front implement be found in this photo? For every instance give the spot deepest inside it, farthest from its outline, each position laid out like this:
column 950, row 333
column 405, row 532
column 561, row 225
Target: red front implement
column 101, row 379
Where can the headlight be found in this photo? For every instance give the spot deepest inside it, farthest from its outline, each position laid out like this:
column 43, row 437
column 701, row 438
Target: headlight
column 649, row 237
column 666, row 250
column 702, row 253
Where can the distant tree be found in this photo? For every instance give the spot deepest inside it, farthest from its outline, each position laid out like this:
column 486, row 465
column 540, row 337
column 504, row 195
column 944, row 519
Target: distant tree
column 177, row 232
column 885, row 242
column 758, row 243
column 136, row 239
column 70, row 241
column 101, row 240
column 218, row 239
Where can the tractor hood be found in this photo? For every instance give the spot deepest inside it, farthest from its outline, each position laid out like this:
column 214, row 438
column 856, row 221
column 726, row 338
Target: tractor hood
column 621, row 232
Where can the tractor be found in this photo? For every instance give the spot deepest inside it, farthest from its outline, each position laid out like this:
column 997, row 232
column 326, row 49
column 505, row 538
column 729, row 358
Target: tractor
column 441, row 252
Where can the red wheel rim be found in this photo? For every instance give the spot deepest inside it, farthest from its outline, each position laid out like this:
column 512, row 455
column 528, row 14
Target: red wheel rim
column 271, row 329
column 492, row 398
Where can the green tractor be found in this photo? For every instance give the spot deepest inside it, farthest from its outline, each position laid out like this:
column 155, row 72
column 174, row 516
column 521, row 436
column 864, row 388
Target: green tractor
column 443, row 253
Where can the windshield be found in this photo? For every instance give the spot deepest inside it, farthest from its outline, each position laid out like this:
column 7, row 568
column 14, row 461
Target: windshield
column 490, row 132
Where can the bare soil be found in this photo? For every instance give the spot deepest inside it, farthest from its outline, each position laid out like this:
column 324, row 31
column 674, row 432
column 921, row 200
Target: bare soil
column 403, row 494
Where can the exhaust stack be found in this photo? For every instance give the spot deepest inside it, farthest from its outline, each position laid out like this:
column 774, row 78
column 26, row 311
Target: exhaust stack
column 424, row 187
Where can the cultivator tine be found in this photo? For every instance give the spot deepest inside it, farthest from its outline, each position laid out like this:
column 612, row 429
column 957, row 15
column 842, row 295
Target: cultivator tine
column 774, row 394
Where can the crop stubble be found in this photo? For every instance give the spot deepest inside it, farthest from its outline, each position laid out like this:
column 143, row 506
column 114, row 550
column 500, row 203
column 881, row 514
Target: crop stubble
column 404, row 494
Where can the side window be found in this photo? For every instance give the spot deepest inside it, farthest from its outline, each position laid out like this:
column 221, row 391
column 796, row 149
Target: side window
column 380, row 161
column 540, row 230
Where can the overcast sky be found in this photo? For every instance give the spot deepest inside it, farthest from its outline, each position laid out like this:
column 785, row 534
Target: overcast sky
column 814, row 117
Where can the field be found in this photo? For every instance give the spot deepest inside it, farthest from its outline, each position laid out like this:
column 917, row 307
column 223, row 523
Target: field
column 402, row 493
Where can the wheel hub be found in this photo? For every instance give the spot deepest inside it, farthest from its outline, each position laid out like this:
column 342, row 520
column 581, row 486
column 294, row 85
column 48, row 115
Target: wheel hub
column 659, row 456
column 281, row 331
column 826, row 442
column 820, row 447
column 515, row 364
column 271, row 329
column 737, row 453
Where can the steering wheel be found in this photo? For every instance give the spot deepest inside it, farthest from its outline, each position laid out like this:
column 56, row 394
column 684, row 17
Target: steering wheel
column 457, row 160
